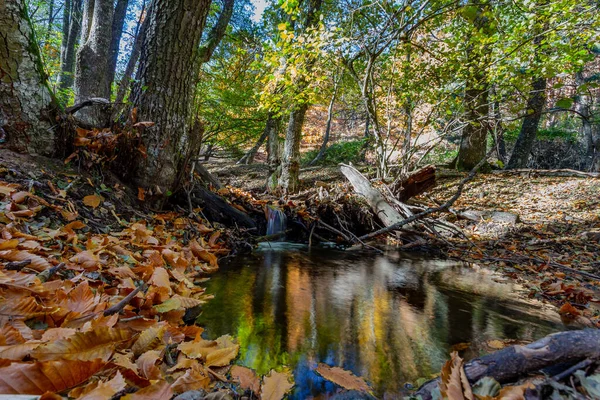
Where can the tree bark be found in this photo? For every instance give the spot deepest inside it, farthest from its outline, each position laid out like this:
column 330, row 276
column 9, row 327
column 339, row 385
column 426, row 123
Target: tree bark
column 164, row 90
column 140, row 35
column 50, row 21
column 217, row 32
column 26, row 102
column 69, row 42
column 92, row 56
column 115, row 41
column 529, row 128
column 589, row 130
column 273, row 159
column 514, row 362
column 473, row 142
column 289, row 180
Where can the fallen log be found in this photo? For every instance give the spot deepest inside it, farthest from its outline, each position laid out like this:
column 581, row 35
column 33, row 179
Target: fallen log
column 515, row 362
column 415, row 183
column 216, row 209
column 550, row 172
column 386, row 213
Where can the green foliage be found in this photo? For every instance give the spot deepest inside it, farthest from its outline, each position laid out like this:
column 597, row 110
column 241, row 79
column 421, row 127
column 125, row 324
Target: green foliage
column 545, row 134
column 342, row 152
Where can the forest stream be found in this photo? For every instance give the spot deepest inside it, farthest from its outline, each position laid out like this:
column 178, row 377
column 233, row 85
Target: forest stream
column 391, row 319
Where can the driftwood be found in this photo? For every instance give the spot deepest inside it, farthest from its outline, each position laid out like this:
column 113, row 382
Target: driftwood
column 386, row 213
column 415, row 183
column 515, row 362
column 217, row 209
column 550, row 172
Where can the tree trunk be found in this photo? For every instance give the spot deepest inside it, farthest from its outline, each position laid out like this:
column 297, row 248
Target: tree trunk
column 589, row 130
column 92, row 56
column 164, row 90
column 499, row 141
column 26, row 102
column 69, row 42
column 66, row 21
column 473, row 142
column 289, row 180
column 248, row 158
column 140, row 35
column 529, row 128
column 323, row 148
column 115, row 40
column 273, row 159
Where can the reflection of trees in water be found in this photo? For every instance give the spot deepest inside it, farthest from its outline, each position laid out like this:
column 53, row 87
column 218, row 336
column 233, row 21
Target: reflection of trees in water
column 390, row 322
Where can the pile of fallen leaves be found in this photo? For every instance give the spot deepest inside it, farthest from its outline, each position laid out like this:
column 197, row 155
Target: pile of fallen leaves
column 94, row 315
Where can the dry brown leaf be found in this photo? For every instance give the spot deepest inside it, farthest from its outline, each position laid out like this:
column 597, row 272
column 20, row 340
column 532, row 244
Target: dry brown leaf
column 199, row 349
column 454, row 384
column 246, row 378
column 37, row 263
column 160, row 390
column 85, row 346
column 149, row 339
column 193, row 379
column 106, row 390
column 146, row 364
column 49, row 376
column 276, row 385
column 343, row 378
column 514, row 392
column 18, row 351
column 496, row 344
column 93, row 200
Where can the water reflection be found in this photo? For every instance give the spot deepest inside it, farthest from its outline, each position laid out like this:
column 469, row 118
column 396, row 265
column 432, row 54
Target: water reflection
column 389, row 319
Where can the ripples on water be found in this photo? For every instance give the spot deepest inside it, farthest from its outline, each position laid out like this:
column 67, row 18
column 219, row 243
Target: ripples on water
column 391, row 319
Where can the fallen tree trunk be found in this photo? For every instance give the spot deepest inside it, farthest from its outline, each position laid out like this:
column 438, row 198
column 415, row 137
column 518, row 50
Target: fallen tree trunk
column 550, row 172
column 216, row 209
column 386, row 213
column 415, row 183
column 515, row 362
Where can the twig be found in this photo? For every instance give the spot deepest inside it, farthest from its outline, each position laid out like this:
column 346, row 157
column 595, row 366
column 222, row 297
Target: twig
column 121, row 304
column 568, row 372
column 16, row 265
column 45, row 275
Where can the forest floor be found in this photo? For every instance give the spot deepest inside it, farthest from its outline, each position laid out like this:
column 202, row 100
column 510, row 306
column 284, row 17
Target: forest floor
column 542, row 231
column 98, row 291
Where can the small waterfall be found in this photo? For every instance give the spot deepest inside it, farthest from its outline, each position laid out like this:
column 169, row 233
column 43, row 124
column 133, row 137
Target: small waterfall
column 276, row 221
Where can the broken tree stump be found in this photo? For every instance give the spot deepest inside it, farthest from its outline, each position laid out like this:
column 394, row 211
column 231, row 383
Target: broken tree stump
column 415, row 183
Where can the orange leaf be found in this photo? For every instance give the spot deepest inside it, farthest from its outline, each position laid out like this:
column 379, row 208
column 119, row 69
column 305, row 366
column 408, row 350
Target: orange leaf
column 246, row 377
column 276, row 385
column 454, row 384
column 106, row 390
column 343, row 378
column 160, row 390
column 50, row 376
column 141, row 194
column 193, row 379
column 567, row 310
column 93, row 200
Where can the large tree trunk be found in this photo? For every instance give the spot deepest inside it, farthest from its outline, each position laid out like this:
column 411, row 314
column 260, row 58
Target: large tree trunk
column 69, row 42
column 165, row 86
column 529, row 128
column 92, row 56
column 473, row 142
column 26, row 102
column 289, row 180
column 115, row 40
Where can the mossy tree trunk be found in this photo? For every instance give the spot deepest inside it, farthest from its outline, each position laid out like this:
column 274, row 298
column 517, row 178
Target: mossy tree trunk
column 26, row 103
column 165, row 86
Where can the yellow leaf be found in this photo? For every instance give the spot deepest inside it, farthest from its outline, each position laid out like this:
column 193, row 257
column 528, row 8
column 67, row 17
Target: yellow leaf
column 93, row 200
column 276, row 385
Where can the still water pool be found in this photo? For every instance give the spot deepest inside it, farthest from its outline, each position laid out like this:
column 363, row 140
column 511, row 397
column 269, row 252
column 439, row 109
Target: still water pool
column 390, row 319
